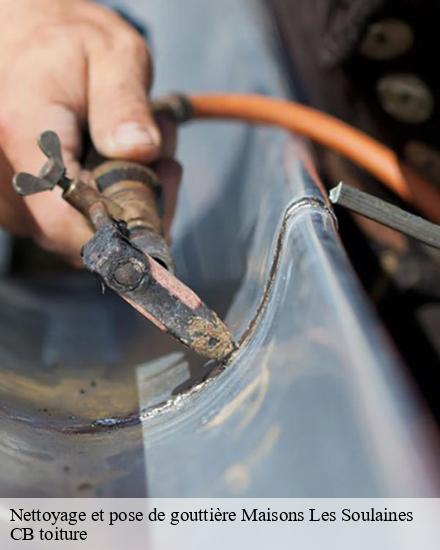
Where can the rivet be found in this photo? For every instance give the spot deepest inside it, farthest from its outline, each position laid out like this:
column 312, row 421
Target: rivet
column 387, row 39
column 406, row 97
column 129, row 274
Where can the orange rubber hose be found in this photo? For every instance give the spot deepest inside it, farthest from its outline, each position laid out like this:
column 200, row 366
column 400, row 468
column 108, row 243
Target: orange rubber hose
column 373, row 156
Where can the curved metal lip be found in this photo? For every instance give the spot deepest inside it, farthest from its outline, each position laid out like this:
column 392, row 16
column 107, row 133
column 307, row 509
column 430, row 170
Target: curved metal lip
column 134, row 418
column 292, row 209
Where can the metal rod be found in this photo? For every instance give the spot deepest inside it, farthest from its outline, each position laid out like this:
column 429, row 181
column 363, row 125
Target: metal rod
column 387, row 214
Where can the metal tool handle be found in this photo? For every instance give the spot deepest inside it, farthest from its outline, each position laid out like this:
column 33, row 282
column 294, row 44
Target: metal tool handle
column 136, row 190
column 76, row 192
column 130, row 257
column 124, row 191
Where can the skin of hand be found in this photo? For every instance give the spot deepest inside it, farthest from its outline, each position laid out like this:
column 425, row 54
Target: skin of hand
column 71, row 66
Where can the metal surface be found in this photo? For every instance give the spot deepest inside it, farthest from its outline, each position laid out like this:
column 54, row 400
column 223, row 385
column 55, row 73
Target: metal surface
column 52, row 173
column 406, row 97
column 136, row 190
column 387, row 214
column 78, row 194
column 387, row 39
column 314, row 402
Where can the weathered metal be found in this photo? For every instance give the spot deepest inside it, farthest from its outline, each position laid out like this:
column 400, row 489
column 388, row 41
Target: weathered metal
column 123, row 208
column 151, row 290
column 136, row 191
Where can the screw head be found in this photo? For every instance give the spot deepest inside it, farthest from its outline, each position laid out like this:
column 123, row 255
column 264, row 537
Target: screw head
column 129, row 274
column 387, row 39
column 406, row 97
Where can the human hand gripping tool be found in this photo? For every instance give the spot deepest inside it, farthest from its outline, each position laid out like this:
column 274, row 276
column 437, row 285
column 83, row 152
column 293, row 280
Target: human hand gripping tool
column 128, row 250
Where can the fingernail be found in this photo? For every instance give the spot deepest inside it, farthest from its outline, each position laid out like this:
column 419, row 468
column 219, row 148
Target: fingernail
column 133, row 134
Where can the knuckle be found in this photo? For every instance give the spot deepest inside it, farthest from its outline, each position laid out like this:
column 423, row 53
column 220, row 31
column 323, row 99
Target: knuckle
column 133, row 44
column 94, row 35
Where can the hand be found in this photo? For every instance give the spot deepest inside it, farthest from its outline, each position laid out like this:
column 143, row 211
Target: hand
column 68, row 65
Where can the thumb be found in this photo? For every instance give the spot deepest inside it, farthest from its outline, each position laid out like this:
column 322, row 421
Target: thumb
column 120, row 121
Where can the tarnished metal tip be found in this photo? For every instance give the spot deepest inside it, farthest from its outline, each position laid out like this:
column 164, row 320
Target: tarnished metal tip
column 156, row 294
column 210, row 337
column 335, row 193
